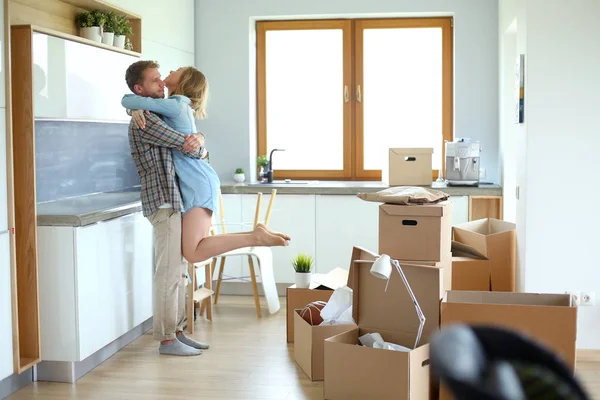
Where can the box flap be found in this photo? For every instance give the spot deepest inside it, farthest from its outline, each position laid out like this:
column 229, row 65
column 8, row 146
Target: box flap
column 462, row 250
column 332, row 280
column 506, row 298
column 420, row 210
column 409, row 151
column 486, row 226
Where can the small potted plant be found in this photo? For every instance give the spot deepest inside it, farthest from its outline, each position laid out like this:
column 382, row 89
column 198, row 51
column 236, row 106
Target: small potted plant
column 91, row 25
column 122, row 29
column 239, row 176
column 302, row 265
column 263, row 163
column 108, row 37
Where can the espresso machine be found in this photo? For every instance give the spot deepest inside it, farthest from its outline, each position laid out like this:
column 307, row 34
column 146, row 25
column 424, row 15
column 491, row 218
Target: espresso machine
column 462, row 163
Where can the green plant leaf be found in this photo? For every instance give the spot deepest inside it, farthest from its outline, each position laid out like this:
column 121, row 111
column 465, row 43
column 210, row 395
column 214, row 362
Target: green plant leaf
column 302, row 263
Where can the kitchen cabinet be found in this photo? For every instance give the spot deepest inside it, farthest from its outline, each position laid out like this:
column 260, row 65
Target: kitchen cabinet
column 292, row 214
column 343, row 222
column 6, row 333
column 95, row 285
column 460, row 209
column 325, row 226
column 66, row 85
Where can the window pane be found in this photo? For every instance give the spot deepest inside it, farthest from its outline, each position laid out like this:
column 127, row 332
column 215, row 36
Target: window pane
column 304, row 78
column 402, row 92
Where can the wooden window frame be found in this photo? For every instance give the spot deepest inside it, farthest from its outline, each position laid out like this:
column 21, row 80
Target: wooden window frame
column 353, row 142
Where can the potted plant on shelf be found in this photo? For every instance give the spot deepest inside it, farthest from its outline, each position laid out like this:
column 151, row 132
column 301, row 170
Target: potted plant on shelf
column 262, row 163
column 123, row 28
column 239, row 176
column 91, row 25
column 302, row 265
column 110, row 26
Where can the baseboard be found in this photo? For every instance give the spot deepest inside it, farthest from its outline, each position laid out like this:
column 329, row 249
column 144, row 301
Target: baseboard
column 13, row 383
column 588, row 355
column 69, row 372
column 245, row 289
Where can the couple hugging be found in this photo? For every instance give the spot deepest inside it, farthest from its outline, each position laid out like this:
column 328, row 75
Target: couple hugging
column 179, row 191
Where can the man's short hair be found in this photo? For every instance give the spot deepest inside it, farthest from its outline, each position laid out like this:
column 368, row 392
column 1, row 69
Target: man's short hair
column 135, row 72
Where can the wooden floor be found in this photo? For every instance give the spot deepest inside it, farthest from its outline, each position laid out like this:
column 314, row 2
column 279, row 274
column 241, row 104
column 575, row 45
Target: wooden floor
column 249, row 359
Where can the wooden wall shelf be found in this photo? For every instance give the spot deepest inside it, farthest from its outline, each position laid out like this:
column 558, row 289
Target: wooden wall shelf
column 57, row 18
column 481, row 207
column 82, row 40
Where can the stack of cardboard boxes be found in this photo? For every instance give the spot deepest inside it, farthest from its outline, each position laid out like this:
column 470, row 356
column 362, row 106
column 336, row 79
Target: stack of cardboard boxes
column 461, row 274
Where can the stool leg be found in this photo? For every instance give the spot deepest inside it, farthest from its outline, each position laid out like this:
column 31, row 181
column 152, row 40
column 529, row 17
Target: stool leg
column 220, row 279
column 190, row 299
column 254, row 286
column 208, row 285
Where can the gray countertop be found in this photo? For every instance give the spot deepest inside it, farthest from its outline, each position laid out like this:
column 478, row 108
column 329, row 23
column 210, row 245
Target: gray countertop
column 90, row 209
column 344, row 188
column 86, row 210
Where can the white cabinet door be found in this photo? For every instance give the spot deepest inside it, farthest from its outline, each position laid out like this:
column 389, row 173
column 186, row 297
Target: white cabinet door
column 114, row 280
column 342, row 223
column 292, row 214
column 460, row 210
column 78, row 88
column 6, row 353
column 3, row 173
column 97, row 289
column 58, row 295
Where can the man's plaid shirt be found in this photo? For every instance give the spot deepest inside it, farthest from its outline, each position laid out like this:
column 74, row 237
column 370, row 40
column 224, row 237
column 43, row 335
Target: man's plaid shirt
column 151, row 152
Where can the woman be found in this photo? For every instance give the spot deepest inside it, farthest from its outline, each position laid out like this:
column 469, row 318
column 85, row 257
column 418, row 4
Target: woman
column 198, row 182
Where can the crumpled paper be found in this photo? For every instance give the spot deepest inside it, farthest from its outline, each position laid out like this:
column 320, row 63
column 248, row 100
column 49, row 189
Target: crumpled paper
column 375, row 340
column 338, row 310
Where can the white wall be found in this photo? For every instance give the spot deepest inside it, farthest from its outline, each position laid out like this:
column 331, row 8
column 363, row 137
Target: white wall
column 167, row 31
column 559, row 217
column 225, row 52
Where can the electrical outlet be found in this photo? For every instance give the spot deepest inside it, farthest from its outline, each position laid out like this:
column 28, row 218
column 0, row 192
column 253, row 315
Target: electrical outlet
column 576, row 297
column 587, row 298
column 482, row 173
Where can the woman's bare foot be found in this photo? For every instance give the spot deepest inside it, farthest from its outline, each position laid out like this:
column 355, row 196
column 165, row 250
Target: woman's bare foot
column 267, row 239
column 282, row 235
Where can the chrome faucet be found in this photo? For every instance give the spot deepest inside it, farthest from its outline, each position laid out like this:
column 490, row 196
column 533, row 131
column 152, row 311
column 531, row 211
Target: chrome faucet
column 269, row 173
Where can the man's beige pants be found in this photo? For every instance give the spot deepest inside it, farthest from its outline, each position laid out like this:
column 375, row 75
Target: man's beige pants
column 170, row 274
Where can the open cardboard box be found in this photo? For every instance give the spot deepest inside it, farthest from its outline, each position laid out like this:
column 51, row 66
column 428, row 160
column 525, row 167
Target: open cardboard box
column 415, row 232
column 550, row 319
column 471, row 270
column 496, row 241
column 353, row 371
column 321, row 288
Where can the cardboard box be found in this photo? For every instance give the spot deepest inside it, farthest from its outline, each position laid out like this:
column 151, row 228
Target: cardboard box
column 429, row 282
column 549, row 318
column 408, row 167
column 496, row 241
column 470, row 270
column 357, row 372
column 309, row 344
column 415, row 232
column 321, row 288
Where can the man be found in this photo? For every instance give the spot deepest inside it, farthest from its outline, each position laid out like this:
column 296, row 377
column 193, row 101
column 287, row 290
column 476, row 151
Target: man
column 151, row 145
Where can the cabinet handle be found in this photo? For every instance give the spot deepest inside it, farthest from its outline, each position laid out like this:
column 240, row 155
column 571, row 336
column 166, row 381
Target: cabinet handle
column 346, row 95
column 358, row 96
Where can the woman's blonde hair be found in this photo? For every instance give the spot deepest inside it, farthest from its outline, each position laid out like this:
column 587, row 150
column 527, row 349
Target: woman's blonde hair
column 194, row 85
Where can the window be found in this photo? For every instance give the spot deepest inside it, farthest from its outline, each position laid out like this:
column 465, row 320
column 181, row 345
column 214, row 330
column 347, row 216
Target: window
column 337, row 94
